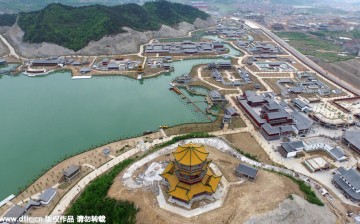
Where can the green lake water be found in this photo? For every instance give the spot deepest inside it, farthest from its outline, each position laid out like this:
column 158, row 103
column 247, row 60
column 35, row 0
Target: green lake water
column 43, row 119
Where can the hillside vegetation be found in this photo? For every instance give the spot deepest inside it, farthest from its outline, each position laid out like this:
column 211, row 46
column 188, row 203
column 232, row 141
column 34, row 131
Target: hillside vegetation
column 75, row 27
column 7, row 19
column 31, row 5
column 94, row 201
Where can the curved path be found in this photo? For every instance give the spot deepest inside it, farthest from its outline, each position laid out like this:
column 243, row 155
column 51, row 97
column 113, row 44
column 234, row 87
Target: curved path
column 11, row 49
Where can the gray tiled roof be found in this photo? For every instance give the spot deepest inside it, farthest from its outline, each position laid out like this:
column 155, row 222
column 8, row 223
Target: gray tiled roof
column 247, row 170
column 298, row 102
column 45, row 61
column 249, row 93
column 286, row 128
column 302, row 122
column 353, row 137
column 85, row 69
column 276, row 129
column 283, row 103
column 341, row 170
column 285, row 80
column 337, row 153
column 353, row 177
column 277, row 115
column 296, row 89
column 112, row 65
column 15, row 212
column 31, row 203
column 71, row 170
column 47, row 194
column 225, row 63
column 252, row 112
column 287, row 147
column 231, row 110
column 270, row 129
column 214, row 94
column 256, row 98
column 346, row 187
column 272, row 106
column 227, row 116
column 297, row 144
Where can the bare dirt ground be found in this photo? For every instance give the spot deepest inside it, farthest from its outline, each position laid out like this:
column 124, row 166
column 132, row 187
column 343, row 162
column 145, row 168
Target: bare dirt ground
column 3, row 49
column 259, row 36
column 252, row 68
column 237, row 122
column 349, row 70
column 295, row 211
column 273, row 85
column 242, row 202
column 246, row 142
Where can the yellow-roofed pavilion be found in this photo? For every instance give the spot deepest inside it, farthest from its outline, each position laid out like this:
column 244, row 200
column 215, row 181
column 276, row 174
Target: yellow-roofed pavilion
column 188, row 175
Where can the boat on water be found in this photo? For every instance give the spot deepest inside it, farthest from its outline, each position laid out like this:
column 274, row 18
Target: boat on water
column 147, row 132
column 139, row 76
column 81, row 77
column 172, row 84
column 32, row 72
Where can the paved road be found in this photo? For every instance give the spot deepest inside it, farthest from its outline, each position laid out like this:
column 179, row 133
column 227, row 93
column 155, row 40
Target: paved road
column 11, row 49
column 73, row 192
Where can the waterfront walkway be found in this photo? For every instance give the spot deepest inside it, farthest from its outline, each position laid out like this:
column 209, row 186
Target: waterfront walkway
column 73, row 192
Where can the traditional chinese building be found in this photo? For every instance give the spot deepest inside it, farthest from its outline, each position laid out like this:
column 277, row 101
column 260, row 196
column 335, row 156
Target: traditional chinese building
column 189, row 176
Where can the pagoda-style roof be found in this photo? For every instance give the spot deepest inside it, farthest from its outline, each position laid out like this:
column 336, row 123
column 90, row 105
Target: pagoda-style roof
column 190, row 154
column 185, row 191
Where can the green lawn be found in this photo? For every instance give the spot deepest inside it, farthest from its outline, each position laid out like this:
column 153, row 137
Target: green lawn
column 196, row 36
column 313, row 45
column 176, row 39
column 354, row 34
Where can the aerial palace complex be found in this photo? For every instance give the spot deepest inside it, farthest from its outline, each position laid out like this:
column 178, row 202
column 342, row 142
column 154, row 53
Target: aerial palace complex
column 262, row 130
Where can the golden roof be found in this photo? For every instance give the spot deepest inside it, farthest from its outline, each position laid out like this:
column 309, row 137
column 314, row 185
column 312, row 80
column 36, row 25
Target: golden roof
column 185, row 191
column 190, row 154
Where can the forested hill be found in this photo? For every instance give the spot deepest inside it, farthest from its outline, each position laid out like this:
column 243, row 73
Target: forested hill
column 7, row 19
column 75, row 27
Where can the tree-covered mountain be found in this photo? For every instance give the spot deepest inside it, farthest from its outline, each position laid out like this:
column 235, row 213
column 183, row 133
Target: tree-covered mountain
column 31, row 5
column 7, row 19
column 75, row 27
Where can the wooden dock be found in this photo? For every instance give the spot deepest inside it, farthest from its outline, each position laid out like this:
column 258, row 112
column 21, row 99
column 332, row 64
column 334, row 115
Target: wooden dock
column 177, row 90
